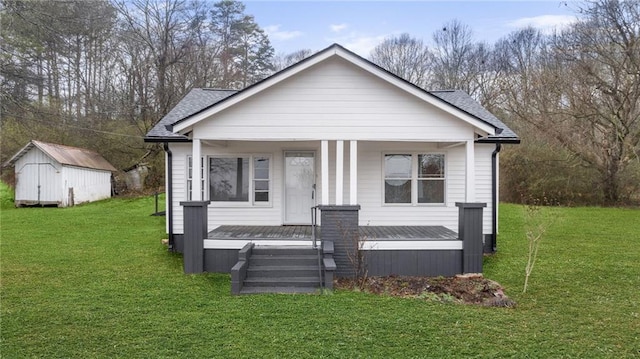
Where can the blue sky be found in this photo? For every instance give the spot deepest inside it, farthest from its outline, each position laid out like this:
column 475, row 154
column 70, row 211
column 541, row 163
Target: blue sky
column 361, row 25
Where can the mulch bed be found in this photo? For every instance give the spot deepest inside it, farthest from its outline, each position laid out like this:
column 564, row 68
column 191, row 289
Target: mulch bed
column 466, row 289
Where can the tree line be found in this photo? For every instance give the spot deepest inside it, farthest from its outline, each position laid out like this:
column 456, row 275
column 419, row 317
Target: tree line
column 100, row 74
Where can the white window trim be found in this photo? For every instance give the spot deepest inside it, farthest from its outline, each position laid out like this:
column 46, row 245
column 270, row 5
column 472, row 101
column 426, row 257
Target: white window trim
column 414, row 179
column 251, row 203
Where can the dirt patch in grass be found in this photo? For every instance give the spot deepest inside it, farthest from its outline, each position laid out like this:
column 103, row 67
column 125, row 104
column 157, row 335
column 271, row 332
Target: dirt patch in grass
column 466, row 289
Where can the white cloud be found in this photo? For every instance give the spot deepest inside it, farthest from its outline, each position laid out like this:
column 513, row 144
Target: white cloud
column 360, row 43
column 338, row 27
column 274, row 33
column 545, row 23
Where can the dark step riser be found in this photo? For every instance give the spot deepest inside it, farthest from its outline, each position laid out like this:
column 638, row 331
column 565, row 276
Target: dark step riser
column 283, row 261
column 262, row 282
column 286, row 290
column 284, row 251
column 275, row 273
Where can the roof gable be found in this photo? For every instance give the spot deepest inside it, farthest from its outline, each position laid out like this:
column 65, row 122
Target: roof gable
column 66, row 155
column 200, row 104
column 332, row 51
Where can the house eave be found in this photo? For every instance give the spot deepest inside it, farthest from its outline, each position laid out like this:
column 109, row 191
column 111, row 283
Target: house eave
column 505, row 140
column 166, row 139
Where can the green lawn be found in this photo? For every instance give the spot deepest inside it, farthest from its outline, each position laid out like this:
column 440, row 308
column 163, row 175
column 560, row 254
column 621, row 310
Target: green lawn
column 95, row 281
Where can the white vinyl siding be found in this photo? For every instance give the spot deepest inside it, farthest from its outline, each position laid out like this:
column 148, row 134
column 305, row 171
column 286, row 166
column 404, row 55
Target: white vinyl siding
column 333, row 100
column 483, row 181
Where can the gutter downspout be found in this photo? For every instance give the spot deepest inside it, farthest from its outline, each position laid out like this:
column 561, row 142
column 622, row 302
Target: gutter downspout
column 169, row 191
column 494, row 197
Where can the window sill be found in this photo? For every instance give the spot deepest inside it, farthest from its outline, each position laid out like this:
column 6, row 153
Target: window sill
column 240, row 205
column 427, row 205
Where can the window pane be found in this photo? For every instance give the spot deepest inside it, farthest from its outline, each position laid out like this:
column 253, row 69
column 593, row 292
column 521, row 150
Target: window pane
column 261, row 185
column 431, row 166
column 262, row 197
column 397, row 191
column 229, row 179
column 397, row 166
column 261, row 168
column 431, row 191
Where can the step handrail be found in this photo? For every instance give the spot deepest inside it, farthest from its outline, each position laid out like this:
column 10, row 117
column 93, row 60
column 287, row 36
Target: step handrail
column 314, row 224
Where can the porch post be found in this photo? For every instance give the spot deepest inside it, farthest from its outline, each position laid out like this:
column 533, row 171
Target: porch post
column 324, row 166
column 470, row 184
column 195, row 231
column 470, row 232
column 353, row 173
column 340, row 226
column 196, row 171
column 339, row 171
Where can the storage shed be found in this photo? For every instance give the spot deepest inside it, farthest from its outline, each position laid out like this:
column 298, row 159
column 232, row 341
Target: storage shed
column 52, row 174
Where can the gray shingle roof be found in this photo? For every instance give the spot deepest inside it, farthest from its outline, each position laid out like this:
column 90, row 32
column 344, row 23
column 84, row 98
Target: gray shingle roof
column 200, row 99
column 466, row 103
column 195, row 101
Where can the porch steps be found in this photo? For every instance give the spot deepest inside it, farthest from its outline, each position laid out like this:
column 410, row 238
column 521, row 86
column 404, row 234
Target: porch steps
column 282, row 269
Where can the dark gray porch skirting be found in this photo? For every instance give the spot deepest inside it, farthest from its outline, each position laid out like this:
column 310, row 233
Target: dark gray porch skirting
column 430, row 263
column 340, row 226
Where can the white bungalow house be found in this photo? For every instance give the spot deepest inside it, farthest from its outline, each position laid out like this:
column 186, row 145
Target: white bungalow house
column 383, row 160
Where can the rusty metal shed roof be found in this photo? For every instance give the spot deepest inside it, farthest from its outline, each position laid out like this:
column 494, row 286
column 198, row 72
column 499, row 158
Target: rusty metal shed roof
column 66, row 155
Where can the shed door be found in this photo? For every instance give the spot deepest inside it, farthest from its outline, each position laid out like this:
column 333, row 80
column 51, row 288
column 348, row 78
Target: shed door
column 299, row 189
column 38, row 183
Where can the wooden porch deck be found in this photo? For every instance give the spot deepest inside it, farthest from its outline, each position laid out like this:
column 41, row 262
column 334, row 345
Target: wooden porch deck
column 377, row 233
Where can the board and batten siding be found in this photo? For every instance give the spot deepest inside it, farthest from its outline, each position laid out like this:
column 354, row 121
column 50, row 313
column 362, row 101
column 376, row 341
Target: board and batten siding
column 370, row 183
column 35, row 169
column 87, row 184
column 330, row 101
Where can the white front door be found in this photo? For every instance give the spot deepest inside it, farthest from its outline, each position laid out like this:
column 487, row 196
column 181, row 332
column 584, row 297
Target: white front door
column 299, row 183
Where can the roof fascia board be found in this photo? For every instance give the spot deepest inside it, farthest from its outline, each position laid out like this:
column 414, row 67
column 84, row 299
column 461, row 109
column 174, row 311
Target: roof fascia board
column 26, row 148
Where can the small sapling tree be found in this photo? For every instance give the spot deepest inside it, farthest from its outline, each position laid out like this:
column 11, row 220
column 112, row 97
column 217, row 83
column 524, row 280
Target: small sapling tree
column 538, row 217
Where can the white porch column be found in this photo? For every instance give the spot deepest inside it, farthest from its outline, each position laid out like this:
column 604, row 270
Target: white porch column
column 324, row 167
column 339, row 171
column 196, row 171
column 353, row 172
column 470, row 184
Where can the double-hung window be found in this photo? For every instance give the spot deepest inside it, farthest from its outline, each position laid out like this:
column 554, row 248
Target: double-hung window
column 414, row 178
column 243, row 179
column 190, row 178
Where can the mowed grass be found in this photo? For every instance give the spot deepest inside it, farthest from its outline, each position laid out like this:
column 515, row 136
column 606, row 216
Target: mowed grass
column 95, row 281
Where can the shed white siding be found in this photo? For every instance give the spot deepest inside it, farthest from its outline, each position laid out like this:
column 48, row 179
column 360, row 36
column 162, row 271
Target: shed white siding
column 370, row 183
column 84, row 185
column 42, row 180
column 333, row 100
